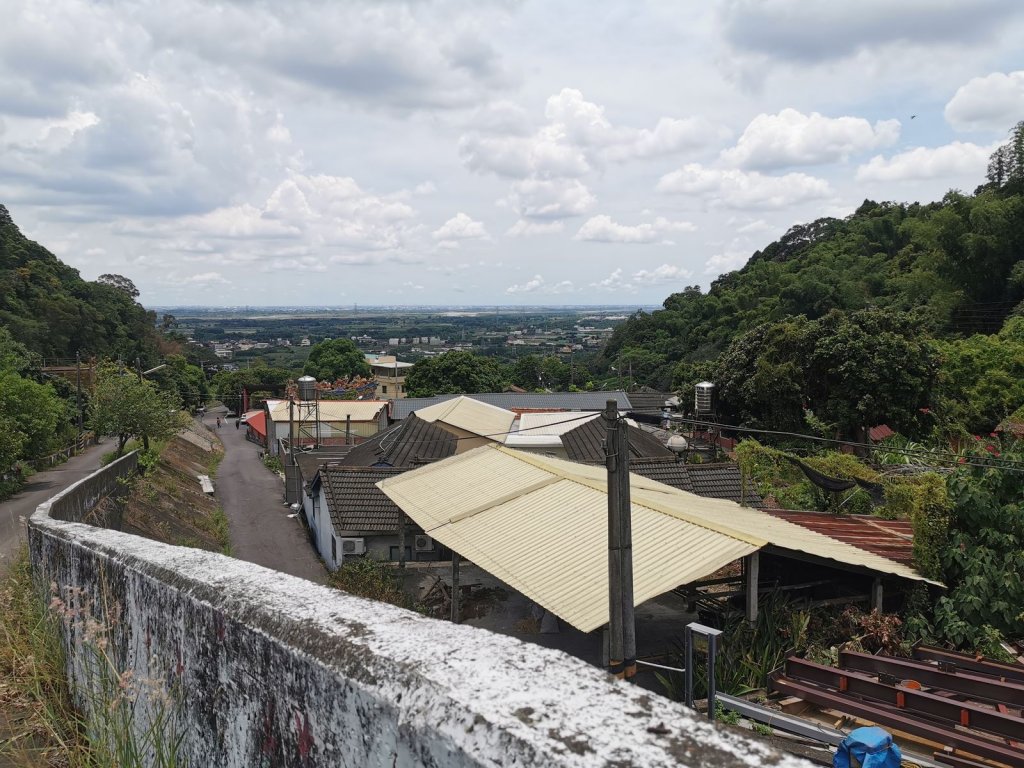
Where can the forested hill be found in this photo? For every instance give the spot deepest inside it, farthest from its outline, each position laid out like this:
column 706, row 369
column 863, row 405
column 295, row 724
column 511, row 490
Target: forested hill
column 955, row 264
column 48, row 307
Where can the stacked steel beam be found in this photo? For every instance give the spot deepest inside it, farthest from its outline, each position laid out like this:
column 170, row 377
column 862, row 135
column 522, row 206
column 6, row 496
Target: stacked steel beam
column 970, row 704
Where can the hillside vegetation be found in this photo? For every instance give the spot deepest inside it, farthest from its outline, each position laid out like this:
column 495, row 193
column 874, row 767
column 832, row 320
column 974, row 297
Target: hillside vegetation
column 881, row 286
column 48, row 307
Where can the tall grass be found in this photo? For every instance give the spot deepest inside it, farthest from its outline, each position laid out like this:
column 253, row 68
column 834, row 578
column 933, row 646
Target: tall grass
column 128, row 721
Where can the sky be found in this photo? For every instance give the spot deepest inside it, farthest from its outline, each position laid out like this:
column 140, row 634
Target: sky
column 473, row 152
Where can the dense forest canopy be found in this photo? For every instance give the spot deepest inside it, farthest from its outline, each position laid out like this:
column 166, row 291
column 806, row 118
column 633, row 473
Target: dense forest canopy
column 949, row 274
column 48, row 307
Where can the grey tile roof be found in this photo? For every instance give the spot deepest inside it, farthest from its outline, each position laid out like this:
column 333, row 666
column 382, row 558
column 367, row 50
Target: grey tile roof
column 409, row 443
column 585, row 443
column 310, row 461
column 717, row 481
column 667, row 471
column 722, row 481
column 566, row 401
column 354, row 501
column 649, row 402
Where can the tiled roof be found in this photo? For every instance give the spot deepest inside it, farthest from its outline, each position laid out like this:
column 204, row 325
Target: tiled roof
column 585, row 443
column 667, row 471
column 311, row 461
column 409, row 443
column 879, row 433
column 354, row 501
column 893, row 539
column 722, row 481
column 568, row 401
column 651, row 402
column 713, row 481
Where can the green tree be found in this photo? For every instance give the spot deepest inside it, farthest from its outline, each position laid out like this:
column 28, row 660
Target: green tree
column 852, row 370
column 335, row 359
column 983, row 563
column 34, row 417
column 182, row 381
column 456, row 373
column 125, row 406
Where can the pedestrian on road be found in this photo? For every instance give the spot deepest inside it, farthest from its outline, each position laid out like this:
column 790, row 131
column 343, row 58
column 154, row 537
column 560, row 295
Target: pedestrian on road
column 218, row 422
column 238, row 423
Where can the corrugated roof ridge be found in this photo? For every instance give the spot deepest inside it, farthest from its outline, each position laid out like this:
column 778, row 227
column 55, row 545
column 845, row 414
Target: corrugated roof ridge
column 651, row 504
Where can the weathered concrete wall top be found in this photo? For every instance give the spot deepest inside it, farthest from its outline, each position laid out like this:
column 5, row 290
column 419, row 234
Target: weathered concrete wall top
column 271, row 670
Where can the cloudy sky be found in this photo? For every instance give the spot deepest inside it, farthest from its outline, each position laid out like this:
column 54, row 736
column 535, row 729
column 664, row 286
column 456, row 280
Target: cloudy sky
column 480, row 152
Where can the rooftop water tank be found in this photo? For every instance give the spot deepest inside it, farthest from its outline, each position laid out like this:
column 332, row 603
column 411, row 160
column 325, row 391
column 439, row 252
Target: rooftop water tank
column 307, row 388
column 704, row 397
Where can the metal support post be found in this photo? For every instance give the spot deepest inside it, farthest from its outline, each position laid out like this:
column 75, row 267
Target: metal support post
column 876, row 595
column 455, row 587
column 693, row 628
column 751, row 566
column 401, row 539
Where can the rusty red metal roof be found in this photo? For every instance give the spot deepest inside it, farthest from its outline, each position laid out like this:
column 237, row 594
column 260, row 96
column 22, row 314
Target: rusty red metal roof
column 893, row 539
column 879, row 433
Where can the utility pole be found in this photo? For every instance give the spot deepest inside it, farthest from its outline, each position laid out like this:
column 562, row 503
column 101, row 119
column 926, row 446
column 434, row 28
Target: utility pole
column 621, row 623
column 615, row 638
column 626, row 544
column 138, row 367
column 78, row 389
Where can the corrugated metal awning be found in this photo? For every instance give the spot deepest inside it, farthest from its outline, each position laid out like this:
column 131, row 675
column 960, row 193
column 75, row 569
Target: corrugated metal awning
column 540, row 525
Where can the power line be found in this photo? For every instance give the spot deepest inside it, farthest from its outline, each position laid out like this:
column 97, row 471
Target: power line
column 954, row 458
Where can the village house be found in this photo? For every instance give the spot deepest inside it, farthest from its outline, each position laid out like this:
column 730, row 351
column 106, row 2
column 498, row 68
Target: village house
column 323, row 422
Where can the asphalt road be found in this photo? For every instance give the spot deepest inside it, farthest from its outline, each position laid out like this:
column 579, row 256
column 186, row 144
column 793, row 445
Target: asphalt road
column 253, row 499
column 40, row 487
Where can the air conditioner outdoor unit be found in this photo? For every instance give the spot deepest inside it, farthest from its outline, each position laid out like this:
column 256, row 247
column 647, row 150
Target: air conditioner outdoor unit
column 353, row 546
column 424, row 544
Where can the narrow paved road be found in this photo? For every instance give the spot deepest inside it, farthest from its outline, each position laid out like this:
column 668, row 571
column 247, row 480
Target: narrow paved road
column 40, row 487
column 253, row 500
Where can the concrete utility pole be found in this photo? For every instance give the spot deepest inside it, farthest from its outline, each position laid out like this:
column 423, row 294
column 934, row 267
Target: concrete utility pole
column 611, row 415
column 621, row 622
column 78, row 389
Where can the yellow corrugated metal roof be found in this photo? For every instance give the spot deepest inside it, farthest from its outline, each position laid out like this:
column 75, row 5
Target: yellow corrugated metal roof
column 553, row 423
column 332, row 410
column 540, row 525
column 472, row 416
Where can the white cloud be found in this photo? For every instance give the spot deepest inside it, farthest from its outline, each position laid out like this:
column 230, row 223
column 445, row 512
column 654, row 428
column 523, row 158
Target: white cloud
column 793, row 138
column 614, row 282
column 538, row 285
column 992, row 103
column 810, row 31
column 461, row 227
column 728, row 261
column 550, row 199
column 525, row 228
column 206, row 278
column 734, row 188
column 604, row 230
column 577, row 137
column 528, row 287
column 958, row 160
column 666, row 273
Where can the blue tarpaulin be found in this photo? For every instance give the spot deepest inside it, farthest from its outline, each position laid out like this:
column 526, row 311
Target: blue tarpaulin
column 869, row 747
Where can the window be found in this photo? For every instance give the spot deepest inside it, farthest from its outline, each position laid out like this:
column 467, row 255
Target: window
column 334, row 547
column 383, row 389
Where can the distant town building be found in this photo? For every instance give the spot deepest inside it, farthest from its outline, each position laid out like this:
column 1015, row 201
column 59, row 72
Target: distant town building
column 389, row 374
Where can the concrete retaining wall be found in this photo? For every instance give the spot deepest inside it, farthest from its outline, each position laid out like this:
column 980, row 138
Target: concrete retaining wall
column 271, row 670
